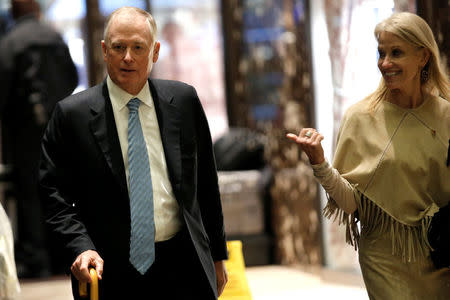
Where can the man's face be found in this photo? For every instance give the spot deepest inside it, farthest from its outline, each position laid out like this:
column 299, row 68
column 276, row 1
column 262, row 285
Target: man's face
column 129, row 52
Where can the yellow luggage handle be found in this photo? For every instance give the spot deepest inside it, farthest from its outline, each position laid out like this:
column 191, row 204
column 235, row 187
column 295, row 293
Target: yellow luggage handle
column 82, row 287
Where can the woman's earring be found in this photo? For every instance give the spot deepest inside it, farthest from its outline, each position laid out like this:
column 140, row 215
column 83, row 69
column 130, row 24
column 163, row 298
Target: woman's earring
column 424, row 76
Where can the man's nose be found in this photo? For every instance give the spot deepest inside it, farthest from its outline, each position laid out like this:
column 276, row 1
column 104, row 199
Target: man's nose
column 128, row 56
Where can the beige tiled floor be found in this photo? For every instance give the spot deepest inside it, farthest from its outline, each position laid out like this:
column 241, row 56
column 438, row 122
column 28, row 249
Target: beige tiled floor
column 265, row 282
column 55, row 288
column 288, row 283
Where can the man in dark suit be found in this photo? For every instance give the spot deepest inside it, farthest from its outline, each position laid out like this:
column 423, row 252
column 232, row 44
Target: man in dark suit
column 36, row 71
column 87, row 183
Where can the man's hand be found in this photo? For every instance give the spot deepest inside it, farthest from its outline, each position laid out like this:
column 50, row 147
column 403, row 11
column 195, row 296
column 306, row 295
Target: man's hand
column 221, row 275
column 80, row 267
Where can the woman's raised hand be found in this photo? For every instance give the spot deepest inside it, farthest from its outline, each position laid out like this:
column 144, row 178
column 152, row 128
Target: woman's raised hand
column 309, row 140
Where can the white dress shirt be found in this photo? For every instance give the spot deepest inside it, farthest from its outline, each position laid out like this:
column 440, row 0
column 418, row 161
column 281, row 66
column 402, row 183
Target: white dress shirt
column 166, row 209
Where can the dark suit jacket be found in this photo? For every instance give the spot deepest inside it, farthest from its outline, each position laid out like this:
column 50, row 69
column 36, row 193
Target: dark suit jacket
column 82, row 176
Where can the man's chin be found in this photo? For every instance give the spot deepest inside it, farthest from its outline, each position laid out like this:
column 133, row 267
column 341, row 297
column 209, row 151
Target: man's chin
column 130, row 86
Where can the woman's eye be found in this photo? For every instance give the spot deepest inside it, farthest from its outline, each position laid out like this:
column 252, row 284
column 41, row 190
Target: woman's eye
column 396, row 52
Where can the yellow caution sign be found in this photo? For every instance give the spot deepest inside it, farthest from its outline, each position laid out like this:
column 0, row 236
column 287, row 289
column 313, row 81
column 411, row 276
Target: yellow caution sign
column 237, row 287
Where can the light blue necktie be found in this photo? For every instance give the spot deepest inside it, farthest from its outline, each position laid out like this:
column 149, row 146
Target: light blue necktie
column 142, row 241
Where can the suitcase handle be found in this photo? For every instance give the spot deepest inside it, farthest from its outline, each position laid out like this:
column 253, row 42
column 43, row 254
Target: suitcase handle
column 82, row 287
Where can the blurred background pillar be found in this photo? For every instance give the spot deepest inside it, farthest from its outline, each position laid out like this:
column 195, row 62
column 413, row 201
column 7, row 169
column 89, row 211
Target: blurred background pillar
column 269, row 80
column 94, row 34
column 295, row 207
column 437, row 14
column 232, row 20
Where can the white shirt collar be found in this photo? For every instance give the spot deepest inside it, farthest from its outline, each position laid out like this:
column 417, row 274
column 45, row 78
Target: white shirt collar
column 120, row 98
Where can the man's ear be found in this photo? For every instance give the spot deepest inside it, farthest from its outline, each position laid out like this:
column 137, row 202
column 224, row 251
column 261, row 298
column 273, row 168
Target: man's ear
column 156, row 52
column 104, row 50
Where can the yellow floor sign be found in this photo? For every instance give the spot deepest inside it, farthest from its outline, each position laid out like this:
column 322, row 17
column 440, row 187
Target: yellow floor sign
column 237, row 287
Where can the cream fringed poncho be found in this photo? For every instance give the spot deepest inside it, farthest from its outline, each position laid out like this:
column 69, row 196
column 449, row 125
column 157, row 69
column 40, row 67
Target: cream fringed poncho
column 9, row 284
column 395, row 162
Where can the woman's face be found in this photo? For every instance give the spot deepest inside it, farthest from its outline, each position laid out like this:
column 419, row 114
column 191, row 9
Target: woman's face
column 400, row 62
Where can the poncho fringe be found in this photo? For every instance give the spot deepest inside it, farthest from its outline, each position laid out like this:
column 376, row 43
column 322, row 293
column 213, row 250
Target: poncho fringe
column 409, row 242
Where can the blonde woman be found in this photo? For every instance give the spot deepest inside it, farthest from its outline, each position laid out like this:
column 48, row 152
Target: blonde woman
column 390, row 171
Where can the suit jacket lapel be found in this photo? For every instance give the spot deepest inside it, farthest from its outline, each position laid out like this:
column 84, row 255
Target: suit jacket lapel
column 169, row 126
column 104, row 129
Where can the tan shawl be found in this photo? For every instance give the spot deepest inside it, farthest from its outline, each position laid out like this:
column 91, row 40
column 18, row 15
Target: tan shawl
column 396, row 159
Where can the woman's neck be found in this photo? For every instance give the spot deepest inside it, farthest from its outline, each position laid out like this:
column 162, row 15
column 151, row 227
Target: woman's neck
column 406, row 100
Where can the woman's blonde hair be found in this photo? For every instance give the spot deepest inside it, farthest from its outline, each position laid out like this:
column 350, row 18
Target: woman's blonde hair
column 413, row 29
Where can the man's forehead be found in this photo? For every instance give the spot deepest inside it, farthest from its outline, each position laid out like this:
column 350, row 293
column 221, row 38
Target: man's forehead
column 115, row 41
column 137, row 38
column 122, row 29
column 120, row 22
